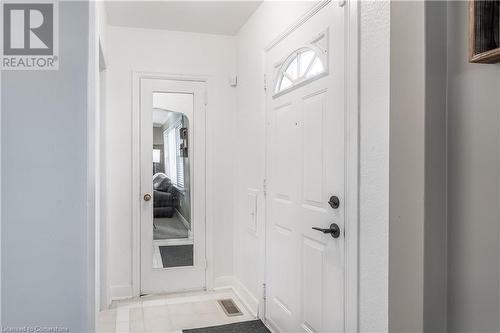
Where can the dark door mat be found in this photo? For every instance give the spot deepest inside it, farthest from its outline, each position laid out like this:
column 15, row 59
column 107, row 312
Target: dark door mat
column 253, row 326
column 176, row 255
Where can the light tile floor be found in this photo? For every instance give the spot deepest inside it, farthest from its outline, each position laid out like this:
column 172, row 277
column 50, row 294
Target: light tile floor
column 169, row 313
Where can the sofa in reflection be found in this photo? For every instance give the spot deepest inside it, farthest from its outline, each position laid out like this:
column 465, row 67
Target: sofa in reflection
column 165, row 198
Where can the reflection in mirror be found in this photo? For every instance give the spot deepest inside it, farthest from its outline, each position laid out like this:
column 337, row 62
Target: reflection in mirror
column 172, row 232
column 487, row 30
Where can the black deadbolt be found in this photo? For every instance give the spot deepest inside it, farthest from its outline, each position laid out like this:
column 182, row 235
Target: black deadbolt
column 334, row 202
column 334, row 230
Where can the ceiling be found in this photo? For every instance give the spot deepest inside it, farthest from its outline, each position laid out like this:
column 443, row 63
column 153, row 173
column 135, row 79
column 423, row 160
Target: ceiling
column 211, row 17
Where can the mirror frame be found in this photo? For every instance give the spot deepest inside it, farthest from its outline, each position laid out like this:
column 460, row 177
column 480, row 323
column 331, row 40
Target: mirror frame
column 488, row 57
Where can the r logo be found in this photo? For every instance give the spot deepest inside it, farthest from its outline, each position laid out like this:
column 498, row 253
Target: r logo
column 28, row 29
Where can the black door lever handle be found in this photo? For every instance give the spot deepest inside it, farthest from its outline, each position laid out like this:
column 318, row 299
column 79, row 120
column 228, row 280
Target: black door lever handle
column 334, row 230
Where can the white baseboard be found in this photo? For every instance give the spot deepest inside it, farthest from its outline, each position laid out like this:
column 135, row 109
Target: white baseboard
column 117, row 293
column 185, row 222
column 248, row 299
column 183, row 219
column 223, row 282
column 271, row 326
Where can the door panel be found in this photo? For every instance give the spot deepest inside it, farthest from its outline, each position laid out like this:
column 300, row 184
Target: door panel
column 286, row 136
column 304, row 167
column 313, row 283
column 313, row 176
column 172, row 150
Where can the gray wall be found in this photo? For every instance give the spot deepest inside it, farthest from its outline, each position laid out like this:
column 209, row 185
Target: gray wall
column 417, row 236
column 157, row 135
column 473, row 184
column 185, row 198
column 434, row 314
column 445, row 236
column 44, row 233
column 407, row 167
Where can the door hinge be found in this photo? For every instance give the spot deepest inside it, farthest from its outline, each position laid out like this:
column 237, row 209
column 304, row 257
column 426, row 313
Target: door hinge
column 265, row 82
column 264, row 291
column 264, row 186
column 206, row 264
column 206, row 97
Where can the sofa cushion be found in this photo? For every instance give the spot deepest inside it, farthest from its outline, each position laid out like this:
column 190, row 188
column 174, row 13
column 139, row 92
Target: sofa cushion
column 164, row 212
column 161, row 182
column 164, row 199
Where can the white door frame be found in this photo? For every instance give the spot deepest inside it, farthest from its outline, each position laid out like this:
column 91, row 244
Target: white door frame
column 351, row 280
column 136, row 190
column 351, row 190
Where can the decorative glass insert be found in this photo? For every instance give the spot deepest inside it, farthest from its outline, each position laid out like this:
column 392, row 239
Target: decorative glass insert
column 300, row 66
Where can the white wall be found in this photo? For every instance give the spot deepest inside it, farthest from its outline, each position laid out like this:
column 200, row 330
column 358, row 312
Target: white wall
column 374, row 166
column 243, row 170
column 131, row 49
column 267, row 22
column 270, row 19
column 101, row 234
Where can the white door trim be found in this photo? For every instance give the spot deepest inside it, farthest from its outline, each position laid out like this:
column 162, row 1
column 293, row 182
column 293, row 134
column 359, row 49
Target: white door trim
column 351, row 274
column 93, row 172
column 297, row 24
column 136, row 191
column 351, row 279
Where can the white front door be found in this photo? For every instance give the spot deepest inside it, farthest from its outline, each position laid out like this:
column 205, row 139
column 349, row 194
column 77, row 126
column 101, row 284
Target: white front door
column 172, row 151
column 305, row 168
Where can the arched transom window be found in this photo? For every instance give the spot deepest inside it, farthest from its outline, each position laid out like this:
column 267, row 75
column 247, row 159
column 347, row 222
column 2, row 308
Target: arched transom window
column 301, row 66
